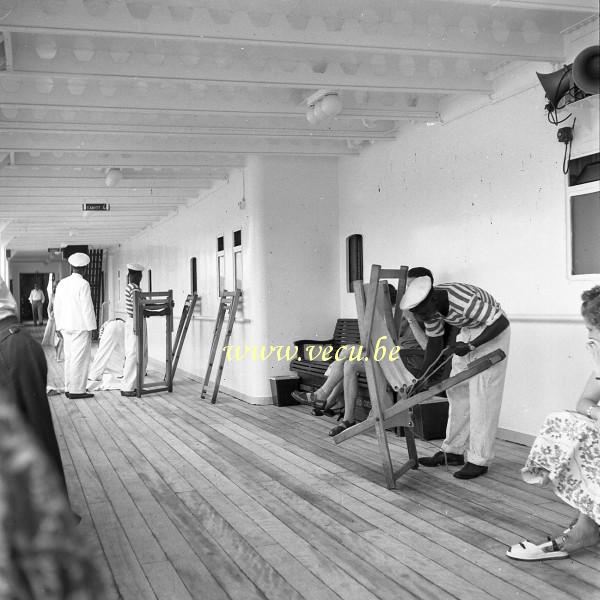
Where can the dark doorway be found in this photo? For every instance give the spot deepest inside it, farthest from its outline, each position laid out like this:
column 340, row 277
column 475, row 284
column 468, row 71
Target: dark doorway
column 26, row 281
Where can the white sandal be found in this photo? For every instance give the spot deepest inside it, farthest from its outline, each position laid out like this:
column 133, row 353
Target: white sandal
column 528, row 551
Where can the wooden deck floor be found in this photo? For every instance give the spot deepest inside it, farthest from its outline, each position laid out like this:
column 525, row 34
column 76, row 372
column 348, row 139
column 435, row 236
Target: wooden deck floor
column 185, row 500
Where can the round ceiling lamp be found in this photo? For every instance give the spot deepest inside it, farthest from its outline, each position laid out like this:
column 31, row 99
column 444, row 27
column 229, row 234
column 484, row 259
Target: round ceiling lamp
column 331, row 105
column 322, row 105
column 113, row 176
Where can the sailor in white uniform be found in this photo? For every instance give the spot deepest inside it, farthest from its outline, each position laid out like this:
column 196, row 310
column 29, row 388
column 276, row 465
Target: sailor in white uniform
column 75, row 319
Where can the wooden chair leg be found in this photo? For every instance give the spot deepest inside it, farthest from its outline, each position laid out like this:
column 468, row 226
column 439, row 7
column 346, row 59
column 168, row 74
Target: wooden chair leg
column 411, row 446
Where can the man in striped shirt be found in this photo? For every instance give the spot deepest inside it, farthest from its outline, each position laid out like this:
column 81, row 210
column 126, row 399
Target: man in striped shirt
column 474, row 404
column 130, row 369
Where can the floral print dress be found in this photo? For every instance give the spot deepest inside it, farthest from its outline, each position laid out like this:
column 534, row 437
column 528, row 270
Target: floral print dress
column 567, row 451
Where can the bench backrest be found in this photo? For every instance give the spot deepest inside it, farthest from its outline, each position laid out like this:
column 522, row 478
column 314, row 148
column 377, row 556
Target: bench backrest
column 346, row 332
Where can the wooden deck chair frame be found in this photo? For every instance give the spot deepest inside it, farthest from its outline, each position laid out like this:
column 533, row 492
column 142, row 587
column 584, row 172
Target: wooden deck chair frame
column 184, row 322
column 228, row 305
column 376, row 382
column 150, row 304
column 396, row 415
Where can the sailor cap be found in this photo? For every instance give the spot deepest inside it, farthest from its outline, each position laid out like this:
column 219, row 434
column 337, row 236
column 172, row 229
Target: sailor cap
column 79, row 259
column 416, row 292
column 135, row 267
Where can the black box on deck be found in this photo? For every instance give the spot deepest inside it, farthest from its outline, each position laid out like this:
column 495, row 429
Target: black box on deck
column 430, row 420
column 282, row 387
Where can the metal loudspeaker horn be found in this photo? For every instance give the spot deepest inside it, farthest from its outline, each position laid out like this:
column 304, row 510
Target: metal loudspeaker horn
column 586, row 70
column 556, row 85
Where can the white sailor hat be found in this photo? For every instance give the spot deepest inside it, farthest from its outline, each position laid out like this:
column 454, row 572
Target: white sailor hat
column 416, row 292
column 135, row 267
column 79, row 259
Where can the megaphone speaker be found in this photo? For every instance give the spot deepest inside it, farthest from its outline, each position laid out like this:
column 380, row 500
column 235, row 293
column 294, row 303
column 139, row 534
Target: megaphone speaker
column 556, row 84
column 586, row 70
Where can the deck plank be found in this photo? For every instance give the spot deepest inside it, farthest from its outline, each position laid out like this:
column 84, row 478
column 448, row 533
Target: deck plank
column 183, row 499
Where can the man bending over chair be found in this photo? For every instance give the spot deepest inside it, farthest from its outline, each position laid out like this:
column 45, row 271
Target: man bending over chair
column 474, row 405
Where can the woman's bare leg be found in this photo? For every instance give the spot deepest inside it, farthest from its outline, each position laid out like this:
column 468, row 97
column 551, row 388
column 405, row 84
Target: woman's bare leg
column 582, row 534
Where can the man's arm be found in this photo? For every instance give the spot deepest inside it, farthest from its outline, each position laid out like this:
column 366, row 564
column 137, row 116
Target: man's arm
column 489, row 333
column 87, row 307
column 434, row 347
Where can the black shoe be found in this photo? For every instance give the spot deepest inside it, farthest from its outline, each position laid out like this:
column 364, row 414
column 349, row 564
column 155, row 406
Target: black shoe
column 68, row 394
column 454, row 460
column 83, row 395
column 341, row 427
column 129, row 394
column 327, row 412
column 470, row 471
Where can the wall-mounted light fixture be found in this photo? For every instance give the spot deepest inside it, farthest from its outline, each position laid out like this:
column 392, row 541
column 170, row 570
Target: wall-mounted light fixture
column 113, row 176
column 323, row 105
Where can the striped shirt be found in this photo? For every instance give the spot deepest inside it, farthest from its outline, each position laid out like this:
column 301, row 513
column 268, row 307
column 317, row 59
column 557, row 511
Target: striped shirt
column 129, row 289
column 469, row 306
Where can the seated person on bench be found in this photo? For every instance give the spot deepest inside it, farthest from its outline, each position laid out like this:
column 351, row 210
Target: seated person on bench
column 566, row 454
column 342, row 373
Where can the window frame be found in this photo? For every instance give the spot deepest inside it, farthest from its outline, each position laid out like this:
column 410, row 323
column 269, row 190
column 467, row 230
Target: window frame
column 573, row 192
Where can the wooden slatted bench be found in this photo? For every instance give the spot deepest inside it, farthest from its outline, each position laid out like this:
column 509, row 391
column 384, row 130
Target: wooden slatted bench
column 312, row 372
column 430, row 419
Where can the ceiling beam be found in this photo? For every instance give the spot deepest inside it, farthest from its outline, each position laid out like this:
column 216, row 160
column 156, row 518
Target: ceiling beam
column 201, row 27
column 68, row 170
column 191, row 132
column 192, row 161
column 160, row 103
column 418, row 81
column 8, row 205
column 110, row 194
column 77, row 214
column 577, row 6
column 86, row 183
column 17, row 141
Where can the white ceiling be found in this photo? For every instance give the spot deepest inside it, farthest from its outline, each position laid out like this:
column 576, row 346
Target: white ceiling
column 177, row 93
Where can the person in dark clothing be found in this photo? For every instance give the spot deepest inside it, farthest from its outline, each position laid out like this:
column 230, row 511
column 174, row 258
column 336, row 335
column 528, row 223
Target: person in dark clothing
column 23, row 377
column 43, row 555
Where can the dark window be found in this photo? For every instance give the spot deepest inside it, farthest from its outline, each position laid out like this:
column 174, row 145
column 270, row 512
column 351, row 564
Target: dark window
column 584, row 169
column 237, row 238
column 354, row 260
column 193, row 275
column 585, row 241
column 221, row 264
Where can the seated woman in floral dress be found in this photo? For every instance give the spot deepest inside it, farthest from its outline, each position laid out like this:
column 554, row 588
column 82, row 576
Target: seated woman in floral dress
column 566, row 453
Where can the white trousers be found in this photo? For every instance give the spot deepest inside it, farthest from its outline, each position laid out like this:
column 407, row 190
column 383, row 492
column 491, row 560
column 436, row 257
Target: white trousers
column 111, row 351
column 129, row 381
column 78, row 352
column 475, row 404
